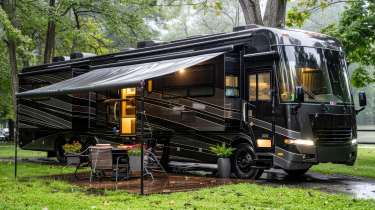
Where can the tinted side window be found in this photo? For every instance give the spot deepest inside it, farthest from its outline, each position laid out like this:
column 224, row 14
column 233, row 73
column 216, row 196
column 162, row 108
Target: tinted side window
column 231, row 86
column 264, row 86
column 259, row 86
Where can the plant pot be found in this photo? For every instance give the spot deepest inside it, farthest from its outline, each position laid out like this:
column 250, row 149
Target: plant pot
column 135, row 163
column 223, row 167
column 72, row 159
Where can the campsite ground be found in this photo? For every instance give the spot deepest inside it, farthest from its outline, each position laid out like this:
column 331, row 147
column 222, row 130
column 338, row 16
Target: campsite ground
column 33, row 192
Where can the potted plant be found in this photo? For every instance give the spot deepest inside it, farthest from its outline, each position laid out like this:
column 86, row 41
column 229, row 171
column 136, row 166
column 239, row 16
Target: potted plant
column 72, row 152
column 135, row 159
column 223, row 162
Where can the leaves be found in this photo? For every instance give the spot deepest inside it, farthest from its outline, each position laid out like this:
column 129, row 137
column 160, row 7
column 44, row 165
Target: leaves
column 98, row 27
column 222, row 150
column 356, row 30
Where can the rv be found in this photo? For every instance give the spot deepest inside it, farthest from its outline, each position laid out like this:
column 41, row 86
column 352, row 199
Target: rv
column 281, row 98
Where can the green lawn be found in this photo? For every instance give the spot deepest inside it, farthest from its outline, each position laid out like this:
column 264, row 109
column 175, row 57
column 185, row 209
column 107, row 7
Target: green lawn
column 39, row 193
column 33, row 192
column 7, row 151
column 364, row 166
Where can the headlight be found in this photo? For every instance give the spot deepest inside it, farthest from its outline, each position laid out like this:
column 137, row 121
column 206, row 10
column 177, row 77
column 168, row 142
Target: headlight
column 305, row 142
column 354, row 141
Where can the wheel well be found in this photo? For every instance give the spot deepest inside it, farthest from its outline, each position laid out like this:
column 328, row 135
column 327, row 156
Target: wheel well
column 60, row 140
column 239, row 140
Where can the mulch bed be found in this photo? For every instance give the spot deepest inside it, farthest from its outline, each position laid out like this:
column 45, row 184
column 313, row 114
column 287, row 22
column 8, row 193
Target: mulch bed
column 163, row 183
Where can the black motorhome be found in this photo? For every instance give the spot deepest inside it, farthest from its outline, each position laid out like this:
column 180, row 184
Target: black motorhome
column 281, row 98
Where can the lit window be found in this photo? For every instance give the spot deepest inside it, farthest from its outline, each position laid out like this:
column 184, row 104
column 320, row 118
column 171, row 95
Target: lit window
column 128, row 111
column 264, row 86
column 259, row 87
column 231, row 86
column 252, row 87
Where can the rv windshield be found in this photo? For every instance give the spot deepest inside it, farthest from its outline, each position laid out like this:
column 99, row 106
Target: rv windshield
column 322, row 74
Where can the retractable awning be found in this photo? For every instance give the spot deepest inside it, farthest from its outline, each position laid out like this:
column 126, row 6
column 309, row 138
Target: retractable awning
column 119, row 76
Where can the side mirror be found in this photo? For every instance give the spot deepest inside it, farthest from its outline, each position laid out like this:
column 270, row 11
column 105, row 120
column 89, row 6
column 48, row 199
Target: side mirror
column 299, row 94
column 362, row 98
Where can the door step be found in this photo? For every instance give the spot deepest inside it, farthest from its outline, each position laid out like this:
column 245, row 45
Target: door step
column 187, row 166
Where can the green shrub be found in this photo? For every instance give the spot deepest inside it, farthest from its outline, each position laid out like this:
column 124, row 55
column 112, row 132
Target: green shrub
column 222, row 150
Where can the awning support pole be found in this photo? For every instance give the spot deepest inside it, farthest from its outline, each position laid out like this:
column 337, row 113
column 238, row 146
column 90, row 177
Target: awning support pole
column 141, row 136
column 14, row 132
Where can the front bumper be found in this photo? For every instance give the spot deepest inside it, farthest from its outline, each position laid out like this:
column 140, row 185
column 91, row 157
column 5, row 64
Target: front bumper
column 308, row 156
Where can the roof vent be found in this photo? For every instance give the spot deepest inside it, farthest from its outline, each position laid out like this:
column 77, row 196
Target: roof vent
column 245, row 27
column 127, row 49
column 60, row 58
column 77, row 55
column 148, row 43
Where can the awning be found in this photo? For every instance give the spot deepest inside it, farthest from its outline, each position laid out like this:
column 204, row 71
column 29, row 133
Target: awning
column 119, row 76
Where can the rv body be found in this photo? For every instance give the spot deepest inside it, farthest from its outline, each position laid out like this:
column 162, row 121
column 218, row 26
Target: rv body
column 245, row 98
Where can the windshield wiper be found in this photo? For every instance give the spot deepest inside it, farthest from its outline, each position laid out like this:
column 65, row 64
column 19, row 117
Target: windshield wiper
column 309, row 93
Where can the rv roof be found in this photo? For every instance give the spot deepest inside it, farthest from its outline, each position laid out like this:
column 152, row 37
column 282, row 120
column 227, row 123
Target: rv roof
column 283, row 37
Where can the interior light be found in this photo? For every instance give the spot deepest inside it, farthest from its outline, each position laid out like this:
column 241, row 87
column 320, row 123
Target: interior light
column 305, row 142
column 181, row 71
column 354, row 141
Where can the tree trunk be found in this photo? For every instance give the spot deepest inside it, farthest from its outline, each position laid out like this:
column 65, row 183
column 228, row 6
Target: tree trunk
column 251, row 11
column 50, row 38
column 9, row 7
column 275, row 13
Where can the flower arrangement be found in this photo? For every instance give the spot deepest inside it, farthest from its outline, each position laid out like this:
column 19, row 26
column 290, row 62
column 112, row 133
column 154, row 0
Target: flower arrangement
column 74, row 147
column 222, row 151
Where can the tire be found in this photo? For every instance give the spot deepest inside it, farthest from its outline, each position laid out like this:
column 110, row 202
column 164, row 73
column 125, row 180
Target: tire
column 259, row 174
column 296, row 173
column 60, row 154
column 242, row 161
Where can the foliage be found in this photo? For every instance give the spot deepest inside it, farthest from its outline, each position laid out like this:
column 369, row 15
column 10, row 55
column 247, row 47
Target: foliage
column 135, row 151
column 74, row 147
column 187, row 20
column 356, row 31
column 222, row 150
column 98, row 27
column 301, row 10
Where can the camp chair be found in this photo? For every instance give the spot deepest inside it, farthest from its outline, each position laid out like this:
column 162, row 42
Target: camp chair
column 83, row 161
column 151, row 163
column 101, row 161
column 150, row 159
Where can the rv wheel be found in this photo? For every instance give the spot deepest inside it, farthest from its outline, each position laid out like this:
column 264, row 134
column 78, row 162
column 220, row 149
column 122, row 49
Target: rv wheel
column 296, row 173
column 242, row 162
column 60, row 154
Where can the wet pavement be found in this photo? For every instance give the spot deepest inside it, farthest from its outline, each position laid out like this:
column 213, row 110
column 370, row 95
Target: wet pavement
column 354, row 186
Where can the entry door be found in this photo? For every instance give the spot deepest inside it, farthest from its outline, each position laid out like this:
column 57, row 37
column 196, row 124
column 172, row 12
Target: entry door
column 259, row 85
column 128, row 111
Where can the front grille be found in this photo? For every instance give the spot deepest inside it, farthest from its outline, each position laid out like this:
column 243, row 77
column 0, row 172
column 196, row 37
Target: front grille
column 333, row 136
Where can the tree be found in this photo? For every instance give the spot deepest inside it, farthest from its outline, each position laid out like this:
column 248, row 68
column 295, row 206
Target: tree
column 192, row 21
column 34, row 31
column 356, row 30
column 11, row 36
column 274, row 15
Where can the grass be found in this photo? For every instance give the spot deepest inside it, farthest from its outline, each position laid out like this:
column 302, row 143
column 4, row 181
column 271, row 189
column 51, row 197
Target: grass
column 33, row 192
column 38, row 193
column 364, row 166
column 7, row 151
